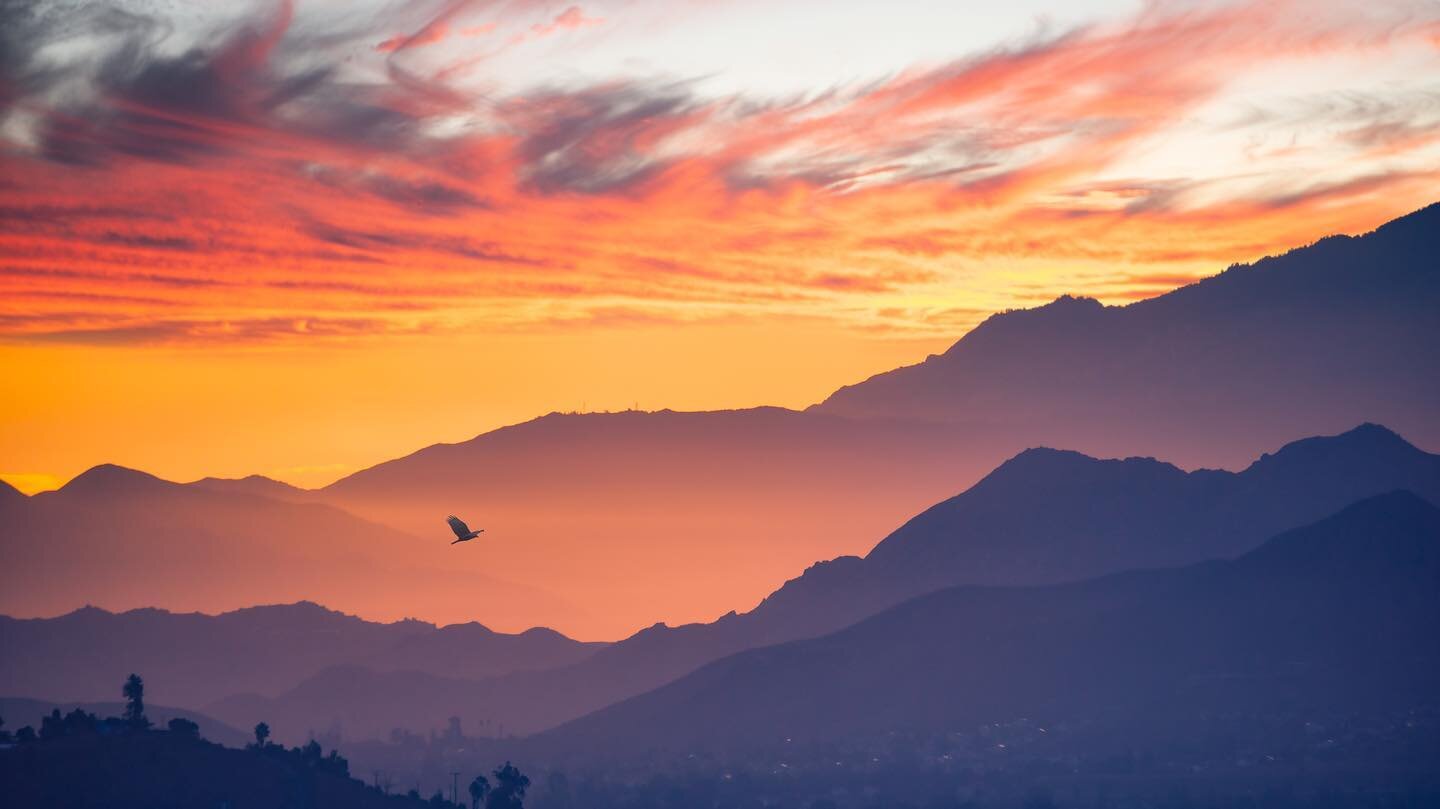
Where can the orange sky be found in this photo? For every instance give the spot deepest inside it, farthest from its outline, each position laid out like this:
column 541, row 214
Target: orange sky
column 254, row 244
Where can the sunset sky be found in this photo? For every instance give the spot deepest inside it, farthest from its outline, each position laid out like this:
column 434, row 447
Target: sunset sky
column 299, row 239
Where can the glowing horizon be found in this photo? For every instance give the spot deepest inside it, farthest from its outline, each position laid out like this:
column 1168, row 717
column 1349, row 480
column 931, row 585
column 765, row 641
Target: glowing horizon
column 222, row 228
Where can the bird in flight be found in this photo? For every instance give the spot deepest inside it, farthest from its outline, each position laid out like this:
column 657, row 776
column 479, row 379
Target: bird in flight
column 462, row 531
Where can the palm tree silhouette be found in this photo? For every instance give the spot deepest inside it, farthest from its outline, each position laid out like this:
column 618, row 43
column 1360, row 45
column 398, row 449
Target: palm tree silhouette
column 134, row 693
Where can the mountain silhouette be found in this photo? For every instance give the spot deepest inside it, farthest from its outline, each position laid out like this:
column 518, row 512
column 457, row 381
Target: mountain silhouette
column 124, row 539
column 666, row 515
column 1045, row 516
column 1100, row 516
column 1334, row 617
column 678, row 517
column 127, row 770
column 711, row 511
column 1049, row 516
column 195, row 659
column 256, row 485
column 1308, row 342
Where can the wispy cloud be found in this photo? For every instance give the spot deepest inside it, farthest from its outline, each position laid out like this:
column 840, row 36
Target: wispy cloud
column 229, row 184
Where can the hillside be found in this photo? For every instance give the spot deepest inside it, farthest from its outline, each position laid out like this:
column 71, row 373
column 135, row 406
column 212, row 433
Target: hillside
column 159, row 768
column 665, row 516
column 1045, row 516
column 1289, row 627
column 691, row 515
column 601, row 523
column 124, row 539
column 1322, row 337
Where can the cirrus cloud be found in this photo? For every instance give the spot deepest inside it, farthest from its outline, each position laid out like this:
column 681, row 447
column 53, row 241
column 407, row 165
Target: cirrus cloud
column 276, row 171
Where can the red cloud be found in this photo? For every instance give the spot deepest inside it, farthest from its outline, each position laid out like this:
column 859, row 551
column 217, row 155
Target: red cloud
column 243, row 185
column 568, row 20
column 434, row 32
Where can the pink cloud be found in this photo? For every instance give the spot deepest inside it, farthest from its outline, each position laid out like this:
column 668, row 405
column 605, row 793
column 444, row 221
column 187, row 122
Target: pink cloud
column 568, row 20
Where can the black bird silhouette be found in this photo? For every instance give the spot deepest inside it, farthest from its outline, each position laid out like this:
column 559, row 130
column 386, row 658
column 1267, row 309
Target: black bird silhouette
column 461, row 529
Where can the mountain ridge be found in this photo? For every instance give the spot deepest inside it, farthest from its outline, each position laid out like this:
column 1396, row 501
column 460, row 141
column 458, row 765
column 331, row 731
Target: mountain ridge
column 194, row 659
column 1092, row 638
column 1223, row 513
column 1304, row 342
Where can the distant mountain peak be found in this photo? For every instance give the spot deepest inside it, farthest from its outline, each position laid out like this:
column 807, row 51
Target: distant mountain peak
column 254, row 479
column 1368, row 441
column 294, row 609
column 1048, row 454
column 1063, row 313
column 1398, row 528
column 113, row 479
column 468, row 628
column 1332, row 333
column 1373, row 434
column 1075, row 302
column 87, row 611
column 1045, row 461
column 1368, row 429
column 257, row 485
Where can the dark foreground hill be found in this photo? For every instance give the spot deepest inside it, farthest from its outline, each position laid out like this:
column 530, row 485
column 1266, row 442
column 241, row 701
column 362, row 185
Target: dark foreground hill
column 1337, row 617
column 164, row 769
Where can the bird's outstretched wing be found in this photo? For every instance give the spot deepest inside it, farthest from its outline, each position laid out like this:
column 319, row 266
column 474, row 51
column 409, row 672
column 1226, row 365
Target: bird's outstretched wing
column 458, row 526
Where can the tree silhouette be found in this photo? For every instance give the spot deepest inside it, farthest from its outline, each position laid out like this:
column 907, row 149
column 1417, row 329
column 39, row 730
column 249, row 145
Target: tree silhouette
column 184, row 727
column 509, row 791
column 134, row 693
column 75, row 723
column 478, row 788
column 262, row 733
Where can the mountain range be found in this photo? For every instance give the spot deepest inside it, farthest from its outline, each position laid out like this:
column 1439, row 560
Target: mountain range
column 1044, row 517
column 601, row 523
column 195, row 659
column 127, row 539
column 1338, row 616
column 1309, row 342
